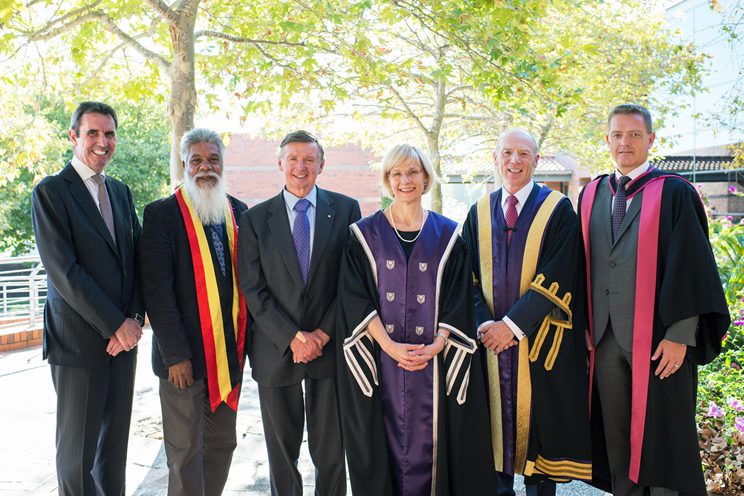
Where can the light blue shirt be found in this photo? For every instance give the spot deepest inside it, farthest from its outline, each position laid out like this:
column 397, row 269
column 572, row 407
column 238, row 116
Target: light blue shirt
column 290, row 200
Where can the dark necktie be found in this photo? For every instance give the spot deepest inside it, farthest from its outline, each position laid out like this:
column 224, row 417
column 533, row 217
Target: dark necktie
column 301, row 236
column 511, row 215
column 104, row 204
column 619, row 207
column 218, row 246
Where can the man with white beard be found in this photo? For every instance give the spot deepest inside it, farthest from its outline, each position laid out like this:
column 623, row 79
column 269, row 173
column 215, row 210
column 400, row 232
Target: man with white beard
column 198, row 316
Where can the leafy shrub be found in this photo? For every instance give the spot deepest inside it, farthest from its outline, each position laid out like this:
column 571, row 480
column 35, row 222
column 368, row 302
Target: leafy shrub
column 720, row 413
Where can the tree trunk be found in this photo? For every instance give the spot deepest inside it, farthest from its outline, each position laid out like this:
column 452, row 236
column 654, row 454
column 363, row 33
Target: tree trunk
column 432, row 140
column 182, row 103
column 436, row 163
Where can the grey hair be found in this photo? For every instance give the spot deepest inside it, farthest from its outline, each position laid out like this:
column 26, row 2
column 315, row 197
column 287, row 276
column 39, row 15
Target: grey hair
column 400, row 154
column 517, row 130
column 632, row 109
column 200, row 135
column 300, row 136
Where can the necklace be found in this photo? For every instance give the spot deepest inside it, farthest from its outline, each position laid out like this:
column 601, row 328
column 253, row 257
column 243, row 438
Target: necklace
column 423, row 219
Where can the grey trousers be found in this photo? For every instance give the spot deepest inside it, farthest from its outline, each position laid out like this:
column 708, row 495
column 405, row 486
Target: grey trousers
column 94, row 408
column 283, row 414
column 614, row 381
column 199, row 444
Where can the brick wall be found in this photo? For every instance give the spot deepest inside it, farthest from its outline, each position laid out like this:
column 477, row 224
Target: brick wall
column 721, row 200
column 21, row 339
column 253, row 175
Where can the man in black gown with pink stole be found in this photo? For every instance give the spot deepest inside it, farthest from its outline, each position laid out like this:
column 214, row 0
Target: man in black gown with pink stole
column 656, row 311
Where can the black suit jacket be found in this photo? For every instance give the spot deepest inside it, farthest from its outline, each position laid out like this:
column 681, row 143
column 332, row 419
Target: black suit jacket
column 278, row 302
column 92, row 282
column 169, row 289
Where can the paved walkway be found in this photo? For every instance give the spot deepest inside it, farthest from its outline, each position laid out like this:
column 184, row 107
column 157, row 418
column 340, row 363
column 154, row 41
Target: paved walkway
column 27, row 413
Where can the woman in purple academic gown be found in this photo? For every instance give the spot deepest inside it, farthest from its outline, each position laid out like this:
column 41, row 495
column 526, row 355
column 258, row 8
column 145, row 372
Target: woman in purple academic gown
column 415, row 421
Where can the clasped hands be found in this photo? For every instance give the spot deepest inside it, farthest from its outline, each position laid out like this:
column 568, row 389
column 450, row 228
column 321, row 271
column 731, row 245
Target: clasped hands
column 413, row 357
column 307, row 346
column 125, row 338
column 498, row 337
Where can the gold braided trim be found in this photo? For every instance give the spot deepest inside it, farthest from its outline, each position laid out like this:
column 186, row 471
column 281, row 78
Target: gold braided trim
column 559, row 470
column 539, row 340
column 485, row 249
column 542, row 333
column 552, row 294
column 553, row 353
column 524, row 405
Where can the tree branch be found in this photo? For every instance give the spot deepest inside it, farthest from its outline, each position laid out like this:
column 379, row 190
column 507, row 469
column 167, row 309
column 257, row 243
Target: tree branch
column 110, row 25
column 408, row 109
column 239, row 39
column 164, row 10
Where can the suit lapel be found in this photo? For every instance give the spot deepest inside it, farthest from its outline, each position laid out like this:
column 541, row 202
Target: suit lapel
column 603, row 208
column 278, row 222
column 82, row 196
column 632, row 213
column 325, row 215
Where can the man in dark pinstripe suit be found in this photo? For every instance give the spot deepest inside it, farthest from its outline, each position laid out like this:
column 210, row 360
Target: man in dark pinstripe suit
column 86, row 233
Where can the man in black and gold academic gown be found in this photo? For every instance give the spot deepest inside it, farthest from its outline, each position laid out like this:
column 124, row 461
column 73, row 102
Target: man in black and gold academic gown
column 524, row 247
column 198, row 317
column 656, row 311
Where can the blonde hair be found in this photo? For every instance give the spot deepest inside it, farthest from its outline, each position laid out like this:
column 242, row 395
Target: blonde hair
column 401, row 154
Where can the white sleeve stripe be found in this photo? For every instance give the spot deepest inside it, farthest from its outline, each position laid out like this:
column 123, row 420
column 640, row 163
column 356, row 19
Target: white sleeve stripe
column 361, row 380
column 359, row 330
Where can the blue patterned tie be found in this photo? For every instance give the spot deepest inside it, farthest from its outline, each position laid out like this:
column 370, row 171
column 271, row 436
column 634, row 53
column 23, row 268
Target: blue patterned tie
column 301, row 236
column 619, row 207
column 218, row 247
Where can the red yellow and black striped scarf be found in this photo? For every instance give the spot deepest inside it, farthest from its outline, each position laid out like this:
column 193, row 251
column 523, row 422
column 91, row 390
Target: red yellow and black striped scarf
column 210, row 311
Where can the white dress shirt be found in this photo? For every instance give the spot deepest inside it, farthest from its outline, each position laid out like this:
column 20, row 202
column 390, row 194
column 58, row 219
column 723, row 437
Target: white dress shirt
column 86, row 174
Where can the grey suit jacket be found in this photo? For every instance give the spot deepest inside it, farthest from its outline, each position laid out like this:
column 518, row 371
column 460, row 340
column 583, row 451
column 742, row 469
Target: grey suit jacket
column 613, row 272
column 92, row 282
column 278, row 302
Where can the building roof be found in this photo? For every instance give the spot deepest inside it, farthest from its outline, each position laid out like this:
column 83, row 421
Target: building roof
column 550, row 166
column 699, row 164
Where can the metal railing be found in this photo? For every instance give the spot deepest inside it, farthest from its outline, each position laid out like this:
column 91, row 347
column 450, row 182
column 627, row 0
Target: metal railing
column 23, row 290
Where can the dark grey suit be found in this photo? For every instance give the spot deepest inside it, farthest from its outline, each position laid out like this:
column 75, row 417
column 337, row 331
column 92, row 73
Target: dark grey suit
column 92, row 289
column 280, row 305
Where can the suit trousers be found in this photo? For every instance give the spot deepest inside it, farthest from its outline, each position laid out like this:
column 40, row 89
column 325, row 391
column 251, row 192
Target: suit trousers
column 94, row 409
column 199, row 444
column 283, row 415
column 614, row 384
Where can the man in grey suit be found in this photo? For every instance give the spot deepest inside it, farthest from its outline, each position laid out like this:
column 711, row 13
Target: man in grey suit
column 289, row 255
column 657, row 311
column 87, row 232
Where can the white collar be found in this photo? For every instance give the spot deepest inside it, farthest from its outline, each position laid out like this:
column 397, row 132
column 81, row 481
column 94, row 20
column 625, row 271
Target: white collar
column 82, row 169
column 635, row 172
column 521, row 195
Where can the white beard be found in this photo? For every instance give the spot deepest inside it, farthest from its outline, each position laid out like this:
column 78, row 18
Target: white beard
column 208, row 202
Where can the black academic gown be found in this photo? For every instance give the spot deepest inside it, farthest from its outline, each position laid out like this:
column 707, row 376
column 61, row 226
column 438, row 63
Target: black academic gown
column 559, row 436
column 464, row 461
column 687, row 284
